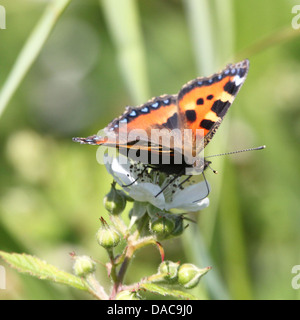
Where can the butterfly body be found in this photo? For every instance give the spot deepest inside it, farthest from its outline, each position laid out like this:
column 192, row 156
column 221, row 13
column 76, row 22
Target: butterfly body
column 199, row 108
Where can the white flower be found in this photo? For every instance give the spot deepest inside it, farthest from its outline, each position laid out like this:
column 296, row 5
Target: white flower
column 145, row 187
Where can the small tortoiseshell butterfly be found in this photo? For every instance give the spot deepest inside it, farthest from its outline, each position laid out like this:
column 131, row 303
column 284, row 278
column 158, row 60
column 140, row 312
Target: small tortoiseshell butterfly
column 200, row 104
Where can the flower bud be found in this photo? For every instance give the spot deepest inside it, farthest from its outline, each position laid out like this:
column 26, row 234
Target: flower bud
column 83, row 266
column 162, row 226
column 127, row 295
column 179, row 227
column 107, row 236
column 115, row 201
column 169, row 268
column 189, row 275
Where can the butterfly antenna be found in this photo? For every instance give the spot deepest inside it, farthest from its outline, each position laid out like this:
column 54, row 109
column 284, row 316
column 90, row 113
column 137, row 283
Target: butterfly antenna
column 237, row 151
column 207, row 165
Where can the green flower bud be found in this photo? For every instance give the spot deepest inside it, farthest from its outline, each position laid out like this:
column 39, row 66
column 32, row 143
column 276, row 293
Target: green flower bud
column 179, row 227
column 162, row 226
column 127, row 295
column 189, row 275
column 83, row 266
column 107, row 236
column 115, row 201
column 170, row 268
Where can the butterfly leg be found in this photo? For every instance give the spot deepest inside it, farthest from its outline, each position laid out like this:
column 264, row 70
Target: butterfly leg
column 207, row 188
column 139, row 176
column 184, row 181
column 170, row 182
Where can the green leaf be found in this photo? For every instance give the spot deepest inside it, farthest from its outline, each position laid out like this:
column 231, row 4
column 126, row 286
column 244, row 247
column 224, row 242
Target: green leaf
column 164, row 291
column 38, row 268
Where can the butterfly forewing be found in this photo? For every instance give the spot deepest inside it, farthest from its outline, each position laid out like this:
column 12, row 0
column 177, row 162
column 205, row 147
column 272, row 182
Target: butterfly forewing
column 203, row 102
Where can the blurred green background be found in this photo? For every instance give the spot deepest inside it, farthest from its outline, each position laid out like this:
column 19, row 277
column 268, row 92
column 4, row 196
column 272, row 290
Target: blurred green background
column 104, row 55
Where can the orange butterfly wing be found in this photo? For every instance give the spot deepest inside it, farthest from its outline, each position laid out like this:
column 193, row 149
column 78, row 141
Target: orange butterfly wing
column 200, row 104
column 203, row 102
column 137, row 124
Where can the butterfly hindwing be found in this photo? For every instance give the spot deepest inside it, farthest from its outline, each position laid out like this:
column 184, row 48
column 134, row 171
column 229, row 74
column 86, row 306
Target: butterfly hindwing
column 134, row 128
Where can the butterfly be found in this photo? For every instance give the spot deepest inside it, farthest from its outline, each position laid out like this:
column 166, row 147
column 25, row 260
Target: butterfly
column 199, row 107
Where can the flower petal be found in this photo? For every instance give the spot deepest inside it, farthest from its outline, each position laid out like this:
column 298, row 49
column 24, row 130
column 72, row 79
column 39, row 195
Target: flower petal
column 146, row 192
column 192, row 198
column 119, row 170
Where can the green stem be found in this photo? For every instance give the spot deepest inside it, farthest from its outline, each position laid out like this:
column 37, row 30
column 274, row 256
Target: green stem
column 31, row 50
column 113, row 265
column 95, row 288
column 132, row 247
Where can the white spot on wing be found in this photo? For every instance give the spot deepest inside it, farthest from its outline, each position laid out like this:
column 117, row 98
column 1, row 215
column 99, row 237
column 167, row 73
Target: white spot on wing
column 238, row 80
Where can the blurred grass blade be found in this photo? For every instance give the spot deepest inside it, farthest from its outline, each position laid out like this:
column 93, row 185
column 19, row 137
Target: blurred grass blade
column 124, row 25
column 235, row 261
column 196, row 251
column 224, row 37
column 31, row 50
column 225, row 32
column 199, row 18
column 38, row 268
column 279, row 37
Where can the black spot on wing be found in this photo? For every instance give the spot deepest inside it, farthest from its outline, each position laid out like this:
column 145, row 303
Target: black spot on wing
column 206, row 124
column 191, row 115
column 220, row 107
column 200, row 101
column 231, row 88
